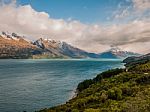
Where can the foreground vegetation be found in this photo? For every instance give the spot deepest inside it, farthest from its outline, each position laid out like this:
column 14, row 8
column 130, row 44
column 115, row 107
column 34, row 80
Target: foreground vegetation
column 117, row 90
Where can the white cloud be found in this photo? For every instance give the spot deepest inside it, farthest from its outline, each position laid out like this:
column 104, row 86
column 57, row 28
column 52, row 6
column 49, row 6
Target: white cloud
column 141, row 5
column 94, row 38
column 122, row 13
column 134, row 9
column 141, row 47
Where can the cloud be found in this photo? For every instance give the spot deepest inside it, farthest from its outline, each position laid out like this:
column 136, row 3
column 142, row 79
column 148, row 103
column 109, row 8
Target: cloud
column 141, row 5
column 132, row 9
column 137, row 47
column 122, row 13
column 94, row 38
column 10, row 2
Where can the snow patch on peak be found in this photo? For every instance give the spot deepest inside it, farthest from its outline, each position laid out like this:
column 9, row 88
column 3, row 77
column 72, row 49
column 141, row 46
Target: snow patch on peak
column 50, row 41
column 10, row 36
column 115, row 49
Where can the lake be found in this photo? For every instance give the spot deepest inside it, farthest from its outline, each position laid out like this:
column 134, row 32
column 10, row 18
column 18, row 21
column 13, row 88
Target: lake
column 29, row 85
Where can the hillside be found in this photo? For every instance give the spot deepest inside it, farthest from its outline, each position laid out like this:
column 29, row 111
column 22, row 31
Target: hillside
column 13, row 46
column 114, row 90
column 136, row 60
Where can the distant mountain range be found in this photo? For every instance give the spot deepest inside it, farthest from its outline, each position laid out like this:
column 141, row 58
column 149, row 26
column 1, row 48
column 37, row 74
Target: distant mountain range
column 18, row 47
column 116, row 53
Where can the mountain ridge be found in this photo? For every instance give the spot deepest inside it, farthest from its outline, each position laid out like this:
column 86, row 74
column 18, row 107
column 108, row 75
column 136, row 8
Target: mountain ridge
column 116, row 53
column 15, row 46
column 134, row 60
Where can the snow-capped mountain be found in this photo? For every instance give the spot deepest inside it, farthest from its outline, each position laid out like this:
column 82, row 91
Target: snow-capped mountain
column 116, row 52
column 12, row 36
column 63, row 49
column 14, row 46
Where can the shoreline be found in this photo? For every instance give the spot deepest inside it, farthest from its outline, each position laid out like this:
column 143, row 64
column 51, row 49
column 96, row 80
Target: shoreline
column 74, row 93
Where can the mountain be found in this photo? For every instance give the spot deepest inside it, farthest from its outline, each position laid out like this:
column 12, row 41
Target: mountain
column 63, row 49
column 116, row 53
column 14, row 46
column 130, row 61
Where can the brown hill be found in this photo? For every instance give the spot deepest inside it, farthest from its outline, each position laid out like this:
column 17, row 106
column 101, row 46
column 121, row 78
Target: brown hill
column 16, row 48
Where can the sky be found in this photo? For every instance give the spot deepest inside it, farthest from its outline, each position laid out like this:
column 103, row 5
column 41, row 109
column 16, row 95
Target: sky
column 92, row 25
column 85, row 11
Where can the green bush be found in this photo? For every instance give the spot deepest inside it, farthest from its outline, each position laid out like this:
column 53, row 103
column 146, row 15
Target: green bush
column 115, row 93
column 85, row 84
column 104, row 96
column 145, row 79
column 92, row 110
column 75, row 110
column 107, row 74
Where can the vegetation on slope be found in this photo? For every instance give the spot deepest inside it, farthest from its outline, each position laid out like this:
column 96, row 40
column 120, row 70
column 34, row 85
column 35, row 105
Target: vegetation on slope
column 132, row 61
column 116, row 90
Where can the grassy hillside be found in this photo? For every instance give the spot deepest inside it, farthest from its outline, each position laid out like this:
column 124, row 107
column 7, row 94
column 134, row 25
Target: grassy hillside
column 117, row 90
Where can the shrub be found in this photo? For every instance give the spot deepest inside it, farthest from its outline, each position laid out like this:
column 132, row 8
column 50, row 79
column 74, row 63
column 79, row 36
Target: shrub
column 115, row 93
column 108, row 74
column 85, row 84
column 75, row 110
column 92, row 110
column 145, row 79
column 104, row 96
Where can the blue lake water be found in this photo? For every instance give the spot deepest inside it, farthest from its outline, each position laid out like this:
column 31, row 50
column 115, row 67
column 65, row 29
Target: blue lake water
column 29, row 85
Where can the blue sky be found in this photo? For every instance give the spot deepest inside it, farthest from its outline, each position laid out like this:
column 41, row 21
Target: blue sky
column 86, row 11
